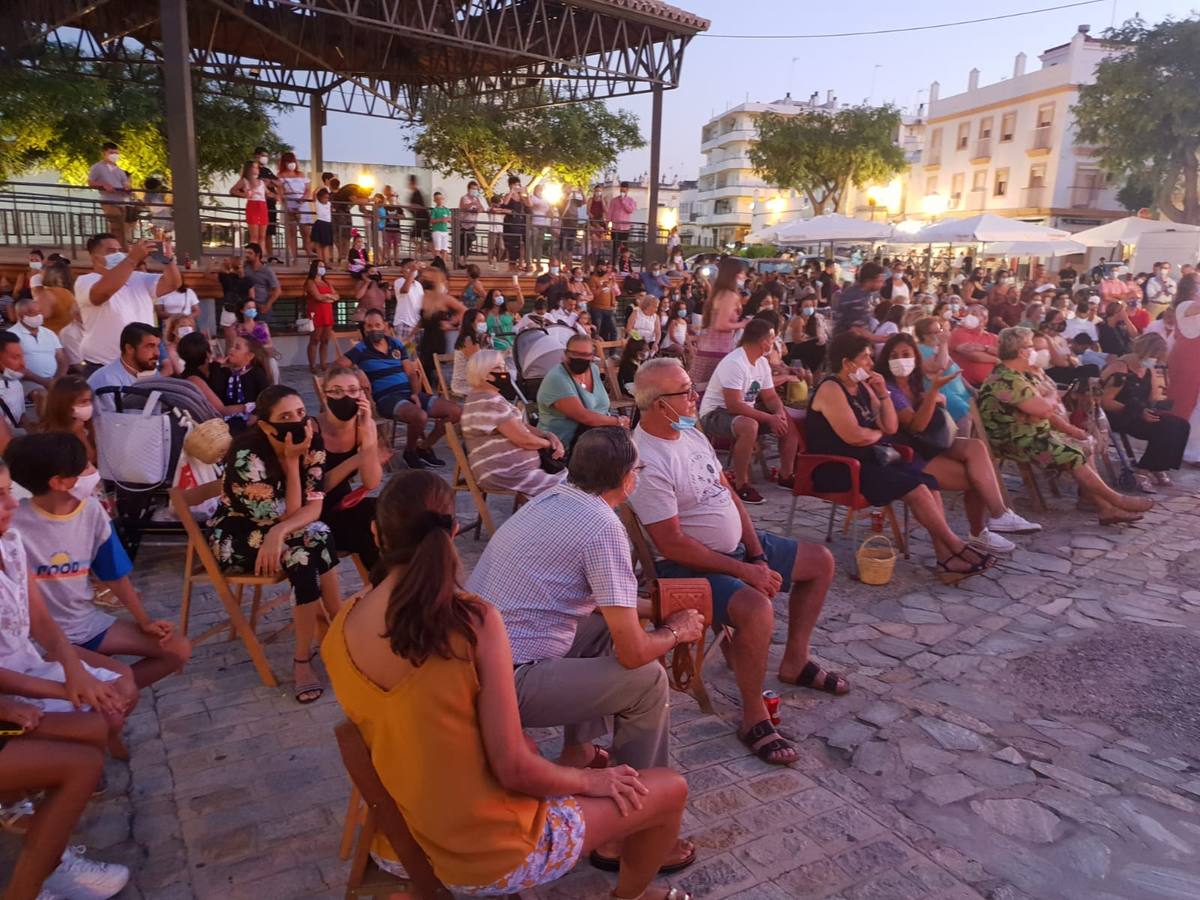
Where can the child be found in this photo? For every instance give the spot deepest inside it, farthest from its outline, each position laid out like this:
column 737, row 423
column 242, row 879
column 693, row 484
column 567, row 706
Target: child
column 68, row 536
column 322, row 229
column 439, row 216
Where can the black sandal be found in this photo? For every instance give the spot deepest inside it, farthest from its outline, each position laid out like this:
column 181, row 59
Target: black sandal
column 613, row 863
column 310, row 691
column 946, row 575
column 833, row 682
column 759, row 740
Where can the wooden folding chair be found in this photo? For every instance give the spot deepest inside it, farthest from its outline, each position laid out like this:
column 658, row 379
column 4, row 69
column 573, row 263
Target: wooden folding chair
column 618, row 397
column 200, row 565
column 442, row 360
column 464, row 480
column 684, row 664
column 320, row 392
column 609, row 348
column 350, row 338
column 1025, row 469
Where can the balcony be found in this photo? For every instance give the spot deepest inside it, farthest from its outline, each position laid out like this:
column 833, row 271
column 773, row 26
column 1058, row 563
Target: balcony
column 1085, row 196
column 729, row 137
column 1040, row 141
column 983, row 150
column 725, row 218
column 955, row 201
column 726, row 164
column 933, row 160
column 976, row 198
column 1036, row 196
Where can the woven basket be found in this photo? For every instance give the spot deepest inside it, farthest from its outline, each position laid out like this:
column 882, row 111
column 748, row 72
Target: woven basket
column 209, row 441
column 876, row 560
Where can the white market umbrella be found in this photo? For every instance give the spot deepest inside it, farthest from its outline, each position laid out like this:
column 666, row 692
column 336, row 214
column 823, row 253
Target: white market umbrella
column 1127, row 231
column 768, row 235
column 832, row 227
column 985, row 228
column 1035, row 248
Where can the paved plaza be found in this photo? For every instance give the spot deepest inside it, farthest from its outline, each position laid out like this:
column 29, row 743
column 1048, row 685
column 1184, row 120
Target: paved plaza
column 1028, row 734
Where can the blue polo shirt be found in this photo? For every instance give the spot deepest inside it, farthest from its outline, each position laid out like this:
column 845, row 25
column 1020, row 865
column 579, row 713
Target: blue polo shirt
column 385, row 371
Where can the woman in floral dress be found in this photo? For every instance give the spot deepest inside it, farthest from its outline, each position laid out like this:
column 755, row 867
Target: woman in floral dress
column 268, row 520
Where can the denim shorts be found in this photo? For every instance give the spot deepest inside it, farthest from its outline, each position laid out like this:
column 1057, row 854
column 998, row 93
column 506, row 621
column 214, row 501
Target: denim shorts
column 781, row 557
column 93, row 643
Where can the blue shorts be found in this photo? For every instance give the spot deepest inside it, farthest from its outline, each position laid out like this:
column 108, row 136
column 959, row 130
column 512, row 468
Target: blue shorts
column 93, row 643
column 781, row 557
column 425, row 401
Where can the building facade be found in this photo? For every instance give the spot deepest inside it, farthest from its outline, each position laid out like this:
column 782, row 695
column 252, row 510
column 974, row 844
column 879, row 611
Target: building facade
column 1010, row 148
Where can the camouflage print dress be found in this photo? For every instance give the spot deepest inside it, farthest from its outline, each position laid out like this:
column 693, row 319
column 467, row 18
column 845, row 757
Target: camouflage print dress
column 1016, row 435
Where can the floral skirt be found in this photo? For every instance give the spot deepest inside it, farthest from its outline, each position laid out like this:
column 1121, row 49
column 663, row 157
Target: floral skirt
column 307, row 553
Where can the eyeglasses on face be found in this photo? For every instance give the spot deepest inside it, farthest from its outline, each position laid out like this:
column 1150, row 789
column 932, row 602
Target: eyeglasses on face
column 690, row 392
column 338, row 393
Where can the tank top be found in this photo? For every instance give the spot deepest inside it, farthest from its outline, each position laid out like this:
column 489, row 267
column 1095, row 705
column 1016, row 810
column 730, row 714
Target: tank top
column 257, row 190
column 427, row 748
column 324, row 211
column 821, row 437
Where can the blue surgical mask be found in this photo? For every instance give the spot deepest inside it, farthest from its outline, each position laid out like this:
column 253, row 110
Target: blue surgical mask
column 807, row 310
column 683, row 423
column 114, row 259
column 250, row 313
column 682, row 313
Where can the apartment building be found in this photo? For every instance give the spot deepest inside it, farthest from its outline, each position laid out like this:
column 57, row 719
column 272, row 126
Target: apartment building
column 1010, row 147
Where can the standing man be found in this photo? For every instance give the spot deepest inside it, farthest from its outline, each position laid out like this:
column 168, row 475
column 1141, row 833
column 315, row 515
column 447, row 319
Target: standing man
column 264, row 285
column 420, row 213
column 604, row 290
column 620, row 213
column 273, row 188
column 115, row 190
column 853, row 308
column 439, row 224
column 114, row 294
column 597, row 213
column 827, row 284
column 469, row 208
column 410, row 296
column 1160, row 289
column 573, row 206
column 539, row 208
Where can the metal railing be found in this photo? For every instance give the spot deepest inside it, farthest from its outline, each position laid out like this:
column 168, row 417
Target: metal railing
column 1035, row 195
column 1084, row 196
column 1042, row 138
column 983, row 149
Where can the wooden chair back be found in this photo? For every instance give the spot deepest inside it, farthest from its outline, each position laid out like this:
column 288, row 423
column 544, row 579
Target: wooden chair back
column 978, row 431
column 442, row 360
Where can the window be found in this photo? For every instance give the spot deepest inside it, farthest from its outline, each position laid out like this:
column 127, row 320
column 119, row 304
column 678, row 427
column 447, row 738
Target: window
column 1001, row 185
column 979, row 180
column 721, row 207
column 1008, row 126
column 1037, row 175
column 964, row 136
column 985, row 127
column 1045, row 115
column 931, row 185
column 934, row 152
column 956, row 185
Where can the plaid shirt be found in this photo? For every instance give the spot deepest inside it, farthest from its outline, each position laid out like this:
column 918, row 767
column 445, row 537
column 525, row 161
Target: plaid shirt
column 560, row 556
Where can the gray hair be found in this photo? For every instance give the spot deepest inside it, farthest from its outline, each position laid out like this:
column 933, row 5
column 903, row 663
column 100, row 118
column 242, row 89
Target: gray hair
column 480, row 366
column 601, row 459
column 24, row 302
column 1009, row 346
column 646, row 383
column 1150, row 344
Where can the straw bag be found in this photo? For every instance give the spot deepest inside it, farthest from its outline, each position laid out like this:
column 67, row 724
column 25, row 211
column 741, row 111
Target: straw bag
column 209, row 441
column 876, row 560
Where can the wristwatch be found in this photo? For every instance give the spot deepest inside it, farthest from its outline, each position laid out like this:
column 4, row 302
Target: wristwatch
column 757, row 558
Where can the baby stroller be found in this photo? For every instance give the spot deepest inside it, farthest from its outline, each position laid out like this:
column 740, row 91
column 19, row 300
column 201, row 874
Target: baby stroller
column 535, row 352
column 139, row 445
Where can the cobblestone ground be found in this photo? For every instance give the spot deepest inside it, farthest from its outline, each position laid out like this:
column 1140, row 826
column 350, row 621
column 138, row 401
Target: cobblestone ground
column 1028, row 734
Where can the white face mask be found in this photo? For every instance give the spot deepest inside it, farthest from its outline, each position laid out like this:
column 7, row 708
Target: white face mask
column 902, row 367
column 1031, row 356
column 498, row 300
column 1150, row 362
column 321, row 270
column 1041, row 358
column 292, row 167
column 32, row 321
column 184, row 330
column 860, row 375
column 85, row 485
column 113, row 157
column 971, row 322
column 83, row 412
column 35, row 264
column 12, row 374
column 554, row 270
column 148, row 373
column 262, row 160
column 481, row 327
column 114, row 259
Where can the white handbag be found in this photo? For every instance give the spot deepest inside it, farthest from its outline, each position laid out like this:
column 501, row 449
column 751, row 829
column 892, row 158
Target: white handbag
column 134, row 448
column 305, row 326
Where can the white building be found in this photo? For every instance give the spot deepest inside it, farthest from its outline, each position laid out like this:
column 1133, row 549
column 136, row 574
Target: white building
column 1009, row 148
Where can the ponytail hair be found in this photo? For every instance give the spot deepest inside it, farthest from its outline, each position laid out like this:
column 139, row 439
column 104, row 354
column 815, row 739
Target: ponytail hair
column 414, row 519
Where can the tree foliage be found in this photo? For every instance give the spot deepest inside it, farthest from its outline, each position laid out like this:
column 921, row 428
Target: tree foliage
column 569, row 143
column 1136, row 194
column 58, row 115
column 821, row 153
column 1141, row 112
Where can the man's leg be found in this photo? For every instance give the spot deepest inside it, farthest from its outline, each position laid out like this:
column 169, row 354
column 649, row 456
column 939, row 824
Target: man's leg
column 745, row 435
column 789, row 444
column 441, row 410
column 812, row 574
column 159, row 658
column 414, row 419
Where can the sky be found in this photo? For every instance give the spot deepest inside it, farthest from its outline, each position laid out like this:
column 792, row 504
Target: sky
column 721, row 72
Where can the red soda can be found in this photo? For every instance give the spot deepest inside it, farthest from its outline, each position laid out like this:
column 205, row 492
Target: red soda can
column 771, row 701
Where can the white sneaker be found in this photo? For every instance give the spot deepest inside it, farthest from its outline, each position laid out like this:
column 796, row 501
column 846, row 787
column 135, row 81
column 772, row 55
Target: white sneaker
column 993, row 543
column 1008, row 522
column 81, row 878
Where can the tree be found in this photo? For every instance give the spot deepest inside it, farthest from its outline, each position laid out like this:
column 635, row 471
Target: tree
column 1136, row 194
column 822, row 153
column 58, row 115
column 1141, row 112
column 570, row 143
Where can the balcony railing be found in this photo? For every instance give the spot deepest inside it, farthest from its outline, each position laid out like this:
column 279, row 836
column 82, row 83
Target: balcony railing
column 1041, row 139
column 983, row 149
column 976, row 197
column 1085, row 196
column 933, row 158
column 1036, row 195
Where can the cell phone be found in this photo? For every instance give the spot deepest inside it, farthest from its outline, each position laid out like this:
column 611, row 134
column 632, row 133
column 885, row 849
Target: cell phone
column 11, row 729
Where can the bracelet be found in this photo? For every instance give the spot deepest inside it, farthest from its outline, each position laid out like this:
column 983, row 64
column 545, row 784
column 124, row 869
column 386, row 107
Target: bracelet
column 675, row 633
column 756, row 558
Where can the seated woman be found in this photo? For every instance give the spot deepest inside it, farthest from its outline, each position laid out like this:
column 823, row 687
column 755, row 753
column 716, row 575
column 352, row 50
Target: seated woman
column 498, row 818
column 177, row 327
column 933, row 343
column 248, row 326
column 633, row 354
column 347, row 430
column 1115, row 332
column 268, row 521
column 501, row 323
column 502, row 449
column 964, row 465
column 808, row 336
column 573, row 395
column 200, row 370
column 643, row 320
column 1058, row 362
column 1025, row 426
column 472, row 337
column 850, row 414
column 1133, row 400
column 69, row 409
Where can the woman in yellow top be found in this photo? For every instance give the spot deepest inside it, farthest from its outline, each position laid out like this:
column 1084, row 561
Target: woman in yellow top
column 425, row 671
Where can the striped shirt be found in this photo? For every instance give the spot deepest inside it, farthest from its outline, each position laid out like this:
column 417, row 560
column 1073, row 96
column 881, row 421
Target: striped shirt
column 496, row 462
column 560, row 556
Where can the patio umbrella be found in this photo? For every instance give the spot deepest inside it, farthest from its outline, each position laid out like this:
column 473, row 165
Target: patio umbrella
column 1127, row 231
column 768, row 235
column 1035, row 248
column 985, row 228
column 832, row 227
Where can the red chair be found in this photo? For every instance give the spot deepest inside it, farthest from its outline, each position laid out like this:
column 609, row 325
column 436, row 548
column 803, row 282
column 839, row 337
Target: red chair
column 852, row 498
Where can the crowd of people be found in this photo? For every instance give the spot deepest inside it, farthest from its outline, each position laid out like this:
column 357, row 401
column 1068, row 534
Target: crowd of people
column 655, row 372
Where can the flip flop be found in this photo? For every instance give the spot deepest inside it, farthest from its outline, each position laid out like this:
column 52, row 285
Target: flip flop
column 613, row 863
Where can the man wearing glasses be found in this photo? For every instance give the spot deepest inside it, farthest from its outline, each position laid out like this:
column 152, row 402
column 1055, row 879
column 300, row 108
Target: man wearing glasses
column 700, row 529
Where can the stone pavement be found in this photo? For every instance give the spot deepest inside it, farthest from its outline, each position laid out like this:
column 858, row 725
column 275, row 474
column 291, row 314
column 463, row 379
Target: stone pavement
column 1028, row 734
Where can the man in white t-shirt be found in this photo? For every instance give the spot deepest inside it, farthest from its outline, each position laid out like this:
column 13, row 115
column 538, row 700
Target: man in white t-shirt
column 741, row 399
column 45, row 359
column 700, row 529
column 409, row 297
column 115, row 294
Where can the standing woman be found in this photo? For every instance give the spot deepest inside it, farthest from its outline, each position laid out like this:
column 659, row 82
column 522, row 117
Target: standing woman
column 254, row 190
column 1183, row 364
column 440, row 318
column 296, row 195
column 269, row 518
column 347, row 429
column 721, row 320
column 321, row 299
column 808, row 335
column 514, row 205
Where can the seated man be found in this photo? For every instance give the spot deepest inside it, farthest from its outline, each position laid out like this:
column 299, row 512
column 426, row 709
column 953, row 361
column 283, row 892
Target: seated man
column 701, row 530
column 973, row 347
column 561, row 574
column 395, row 385
column 68, row 537
column 741, row 399
column 12, row 392
column 139, row 358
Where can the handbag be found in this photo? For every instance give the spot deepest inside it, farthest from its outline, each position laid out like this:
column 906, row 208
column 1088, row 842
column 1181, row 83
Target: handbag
column 885, row 454
column 305, row 325
column 134, row 447
column 937, row 437
column 670, row 595
column 548, row 461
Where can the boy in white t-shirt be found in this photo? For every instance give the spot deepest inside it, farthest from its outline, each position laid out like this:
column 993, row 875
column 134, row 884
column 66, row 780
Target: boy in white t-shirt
column 740, row 399
column 68, row 537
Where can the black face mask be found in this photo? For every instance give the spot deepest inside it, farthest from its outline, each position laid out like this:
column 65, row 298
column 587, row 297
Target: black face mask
column 375, row 337
column 579, row 366
column 502, row 382
column 295, row 429
column 343, row 408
